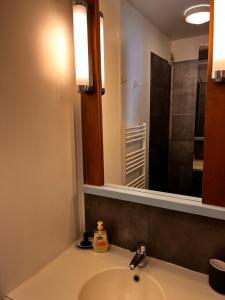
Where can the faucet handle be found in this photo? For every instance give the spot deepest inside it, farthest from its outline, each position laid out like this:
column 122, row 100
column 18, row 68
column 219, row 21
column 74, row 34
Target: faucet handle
column 140, row 248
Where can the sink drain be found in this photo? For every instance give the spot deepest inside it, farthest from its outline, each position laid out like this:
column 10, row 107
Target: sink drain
column 136, row 278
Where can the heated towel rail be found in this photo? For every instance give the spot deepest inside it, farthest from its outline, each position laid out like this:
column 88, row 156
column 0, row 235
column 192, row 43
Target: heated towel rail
column 135, row 156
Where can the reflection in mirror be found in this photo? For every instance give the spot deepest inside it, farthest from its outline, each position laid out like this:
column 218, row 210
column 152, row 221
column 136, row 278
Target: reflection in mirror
column 164, row 77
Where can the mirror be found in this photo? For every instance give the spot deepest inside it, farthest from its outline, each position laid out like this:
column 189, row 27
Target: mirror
column 163, row 95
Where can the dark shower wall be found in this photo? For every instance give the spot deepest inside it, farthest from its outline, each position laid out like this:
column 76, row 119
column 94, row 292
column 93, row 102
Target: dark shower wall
column 183, row 106
column 159, row 123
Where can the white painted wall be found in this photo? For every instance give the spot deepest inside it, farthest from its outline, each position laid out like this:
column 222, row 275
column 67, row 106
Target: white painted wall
column 139, row 39
column 38, row 194
column 188, row 49
column 112, row 113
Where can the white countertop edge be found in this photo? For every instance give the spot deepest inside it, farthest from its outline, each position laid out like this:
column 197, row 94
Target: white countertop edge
column 64, row 277
column 168, row 201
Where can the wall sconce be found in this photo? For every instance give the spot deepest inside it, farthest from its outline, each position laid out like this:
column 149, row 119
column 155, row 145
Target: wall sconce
column 80, row 24
column 102, row 52
column 218, row 70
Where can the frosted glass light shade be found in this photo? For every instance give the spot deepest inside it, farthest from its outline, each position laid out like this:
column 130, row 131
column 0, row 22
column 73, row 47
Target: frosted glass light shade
column 102, row 52
column 198, row 18
column 80, row 24
column 198, row 14
column 218, row 73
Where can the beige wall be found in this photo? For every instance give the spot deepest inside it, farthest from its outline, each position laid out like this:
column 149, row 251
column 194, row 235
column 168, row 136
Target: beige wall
column 37, row 157
column 139, row 39
column 188, row 49
column 112, row 123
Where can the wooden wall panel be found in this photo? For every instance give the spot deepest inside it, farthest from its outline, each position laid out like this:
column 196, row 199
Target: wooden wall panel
column 214, row 154
column 91, row 107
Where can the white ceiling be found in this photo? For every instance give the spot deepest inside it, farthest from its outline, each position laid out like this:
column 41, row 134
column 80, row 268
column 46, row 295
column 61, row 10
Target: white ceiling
column 168, row 16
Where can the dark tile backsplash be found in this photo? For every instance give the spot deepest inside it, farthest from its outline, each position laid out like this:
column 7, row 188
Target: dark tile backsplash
column 180, row 238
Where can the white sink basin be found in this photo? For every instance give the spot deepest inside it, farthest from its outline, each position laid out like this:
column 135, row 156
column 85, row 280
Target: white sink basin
column 120, row 284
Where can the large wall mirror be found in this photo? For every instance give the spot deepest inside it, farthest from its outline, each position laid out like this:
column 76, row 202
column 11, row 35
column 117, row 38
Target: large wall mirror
column 154, row 136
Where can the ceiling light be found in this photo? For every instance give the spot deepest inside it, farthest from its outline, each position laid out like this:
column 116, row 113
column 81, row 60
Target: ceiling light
column 198, row 14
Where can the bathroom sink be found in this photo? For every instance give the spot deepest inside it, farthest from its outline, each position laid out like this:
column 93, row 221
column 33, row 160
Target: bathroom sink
column 121, row 284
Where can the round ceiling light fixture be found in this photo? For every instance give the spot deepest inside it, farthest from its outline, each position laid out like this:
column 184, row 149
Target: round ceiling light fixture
column 198, row 14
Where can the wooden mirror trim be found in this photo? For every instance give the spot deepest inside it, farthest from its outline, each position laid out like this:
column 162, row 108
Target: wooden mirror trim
column 91, row 107
column 214, row 153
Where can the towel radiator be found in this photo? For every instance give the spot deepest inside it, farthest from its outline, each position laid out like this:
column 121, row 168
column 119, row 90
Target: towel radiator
column 135, row 156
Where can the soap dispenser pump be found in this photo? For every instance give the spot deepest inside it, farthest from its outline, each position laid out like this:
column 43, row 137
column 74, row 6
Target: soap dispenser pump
column 100, row 243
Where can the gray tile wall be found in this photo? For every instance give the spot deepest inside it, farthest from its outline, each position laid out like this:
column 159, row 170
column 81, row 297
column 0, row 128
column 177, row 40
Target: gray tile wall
column 180, row 238
column 183, row 107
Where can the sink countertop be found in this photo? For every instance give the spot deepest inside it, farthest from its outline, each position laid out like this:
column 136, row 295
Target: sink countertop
column 64, row 277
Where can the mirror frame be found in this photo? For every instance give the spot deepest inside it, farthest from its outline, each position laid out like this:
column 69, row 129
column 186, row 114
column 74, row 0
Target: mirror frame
column 92, row 131
column 91, row 106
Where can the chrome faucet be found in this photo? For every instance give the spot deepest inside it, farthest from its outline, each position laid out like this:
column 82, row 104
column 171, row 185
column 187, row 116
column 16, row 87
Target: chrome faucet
column 139, row 260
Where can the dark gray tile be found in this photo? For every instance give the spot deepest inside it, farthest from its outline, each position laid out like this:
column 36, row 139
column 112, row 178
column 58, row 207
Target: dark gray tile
column 184, row 87
column 183, row 102
column 185, row 179
column 180, row 238
column 185, row 239
column 120, row 218
column 183, row 127
column 181, row 152
column 185, row 75
column 180, row 179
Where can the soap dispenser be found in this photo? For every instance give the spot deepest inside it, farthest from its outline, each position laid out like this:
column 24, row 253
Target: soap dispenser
column 100, row 243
